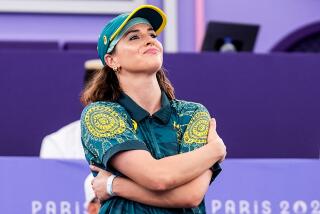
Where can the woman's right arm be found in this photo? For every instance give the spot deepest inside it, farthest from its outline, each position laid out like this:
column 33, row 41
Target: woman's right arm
column 170, row 172
column 187, row 195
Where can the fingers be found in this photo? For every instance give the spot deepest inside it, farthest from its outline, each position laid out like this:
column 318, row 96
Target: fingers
column 213, row 123
column 212, row 133
column 95, row 169
column 100, row 172
column 224, row 150
column 223, row 158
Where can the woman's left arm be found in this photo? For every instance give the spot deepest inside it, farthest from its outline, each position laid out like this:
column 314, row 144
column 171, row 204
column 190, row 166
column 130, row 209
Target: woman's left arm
column 185, row 196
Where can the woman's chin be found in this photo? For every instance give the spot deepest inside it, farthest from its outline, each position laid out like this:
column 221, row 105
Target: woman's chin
column 153, row 66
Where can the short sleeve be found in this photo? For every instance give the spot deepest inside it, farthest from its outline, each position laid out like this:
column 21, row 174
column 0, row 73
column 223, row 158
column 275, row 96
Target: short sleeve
column 106, row 129
column 196, row 119
column 194, row 122
column 197, row 129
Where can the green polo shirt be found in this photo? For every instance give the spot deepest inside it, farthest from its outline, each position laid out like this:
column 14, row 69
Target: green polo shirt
column 108, row 128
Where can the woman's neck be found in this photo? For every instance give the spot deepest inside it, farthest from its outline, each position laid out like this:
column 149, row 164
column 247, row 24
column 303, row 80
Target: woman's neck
column 144, row 90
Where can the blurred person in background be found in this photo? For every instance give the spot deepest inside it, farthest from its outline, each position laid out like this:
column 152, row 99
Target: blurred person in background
column 66, row 143
column 150, row 152
column 92, row 203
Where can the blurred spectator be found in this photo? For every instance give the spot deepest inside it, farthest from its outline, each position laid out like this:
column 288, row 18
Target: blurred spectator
column 66, row 143
column 92, row 202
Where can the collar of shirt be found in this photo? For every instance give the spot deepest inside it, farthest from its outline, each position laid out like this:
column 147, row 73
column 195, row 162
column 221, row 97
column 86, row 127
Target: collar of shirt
column 138, row 113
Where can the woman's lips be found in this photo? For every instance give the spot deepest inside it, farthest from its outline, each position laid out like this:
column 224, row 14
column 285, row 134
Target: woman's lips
column 151, row 51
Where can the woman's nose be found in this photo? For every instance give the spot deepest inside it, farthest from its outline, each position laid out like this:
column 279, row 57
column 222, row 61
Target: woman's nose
column 149, row 41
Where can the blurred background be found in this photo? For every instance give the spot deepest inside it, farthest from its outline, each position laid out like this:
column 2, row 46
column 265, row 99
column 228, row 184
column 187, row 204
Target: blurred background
column 254, row 64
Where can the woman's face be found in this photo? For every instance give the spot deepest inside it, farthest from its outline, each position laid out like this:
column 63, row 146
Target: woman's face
column 139, row 50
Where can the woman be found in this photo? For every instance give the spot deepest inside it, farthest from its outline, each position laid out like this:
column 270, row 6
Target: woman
column 134, row 128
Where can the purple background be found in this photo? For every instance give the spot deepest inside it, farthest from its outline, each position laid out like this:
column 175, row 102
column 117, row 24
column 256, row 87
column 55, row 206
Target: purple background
column 265, row 105
column 255, row 181
column 277, row 20
column 249, row 180
column 24, row 180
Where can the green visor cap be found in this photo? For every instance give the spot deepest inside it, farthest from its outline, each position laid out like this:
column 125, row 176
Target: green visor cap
column 155, row 16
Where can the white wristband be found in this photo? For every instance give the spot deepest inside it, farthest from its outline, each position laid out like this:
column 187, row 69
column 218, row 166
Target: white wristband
column 109, row 185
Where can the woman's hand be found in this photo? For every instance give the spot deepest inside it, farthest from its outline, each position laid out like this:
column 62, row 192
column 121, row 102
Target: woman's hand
column 216, row 141
column 99, row 183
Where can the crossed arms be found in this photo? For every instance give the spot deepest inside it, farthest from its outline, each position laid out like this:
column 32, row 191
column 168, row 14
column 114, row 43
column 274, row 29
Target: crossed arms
column 178, row 181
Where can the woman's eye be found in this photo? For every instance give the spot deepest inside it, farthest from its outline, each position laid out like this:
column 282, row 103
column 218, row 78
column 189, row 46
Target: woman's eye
column 153, row 35
column 133, row 37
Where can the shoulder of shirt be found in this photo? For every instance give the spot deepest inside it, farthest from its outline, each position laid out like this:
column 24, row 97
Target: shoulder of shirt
column 103, row 104
column 182, row 105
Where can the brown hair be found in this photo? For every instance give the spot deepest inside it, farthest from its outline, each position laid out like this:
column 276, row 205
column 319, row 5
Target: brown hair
column 104, row 86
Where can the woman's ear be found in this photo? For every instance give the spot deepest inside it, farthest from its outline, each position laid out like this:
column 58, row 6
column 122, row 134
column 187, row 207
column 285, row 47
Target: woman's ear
column 109, row 60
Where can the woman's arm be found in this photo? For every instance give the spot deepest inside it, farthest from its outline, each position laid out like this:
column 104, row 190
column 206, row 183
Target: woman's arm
column 188, row 195
column 170, row 172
